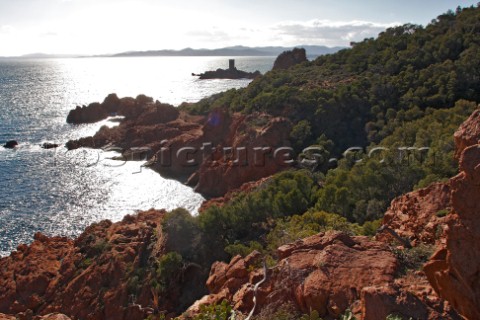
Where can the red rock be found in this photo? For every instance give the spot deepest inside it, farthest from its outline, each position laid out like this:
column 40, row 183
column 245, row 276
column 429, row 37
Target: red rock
column 420, row 215
column 325, row 272
column 90, row 277
column 468, row 134
column 454, row 270
column 223, row 174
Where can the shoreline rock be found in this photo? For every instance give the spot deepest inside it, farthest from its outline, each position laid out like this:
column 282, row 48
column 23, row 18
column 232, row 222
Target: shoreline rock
column 11, row 144
column 228, row 74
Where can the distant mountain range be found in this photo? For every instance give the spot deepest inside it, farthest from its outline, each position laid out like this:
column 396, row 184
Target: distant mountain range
column 312, row 51
column 229, row 51
column 46, row 56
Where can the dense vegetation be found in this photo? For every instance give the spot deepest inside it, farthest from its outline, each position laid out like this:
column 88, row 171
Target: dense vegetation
column 398, row 98
column 360, row 95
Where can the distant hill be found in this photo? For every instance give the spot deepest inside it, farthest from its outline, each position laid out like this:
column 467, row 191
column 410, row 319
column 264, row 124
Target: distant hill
column 230, row 51
column 47, row 56
column 312, row 52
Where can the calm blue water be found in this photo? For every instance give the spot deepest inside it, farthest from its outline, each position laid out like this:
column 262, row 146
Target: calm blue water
column 59, row 192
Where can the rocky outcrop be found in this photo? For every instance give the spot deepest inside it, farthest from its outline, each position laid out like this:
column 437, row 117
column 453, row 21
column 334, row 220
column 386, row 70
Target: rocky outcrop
column 468, row 134
column 106, row 273
column 288, row 59
column 128, row 107
column 328, row 272
column 228, row 74
column 419, row 216
column 10, row 144
column 454, row 270
column 214, row 154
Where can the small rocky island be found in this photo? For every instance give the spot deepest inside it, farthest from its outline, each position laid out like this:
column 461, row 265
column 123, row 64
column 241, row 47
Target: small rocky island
column 231, row 73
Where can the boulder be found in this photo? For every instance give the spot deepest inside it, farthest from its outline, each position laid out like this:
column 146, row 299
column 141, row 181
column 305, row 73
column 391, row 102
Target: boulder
column 288, row 59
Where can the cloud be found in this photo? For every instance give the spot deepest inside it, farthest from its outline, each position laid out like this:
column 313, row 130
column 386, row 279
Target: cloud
column 326, row 32
column 7, row 29
column 213, row 34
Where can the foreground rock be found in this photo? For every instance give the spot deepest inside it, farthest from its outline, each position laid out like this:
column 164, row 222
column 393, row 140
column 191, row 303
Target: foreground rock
column 214, row 154
column 328, row 272
column 454, row 270
column 290, row 58
column 106, row 273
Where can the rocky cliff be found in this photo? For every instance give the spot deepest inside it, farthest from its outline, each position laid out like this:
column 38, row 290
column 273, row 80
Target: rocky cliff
column 454, row 270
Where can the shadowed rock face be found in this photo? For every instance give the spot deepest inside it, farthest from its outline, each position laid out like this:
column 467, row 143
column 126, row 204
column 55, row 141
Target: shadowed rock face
column 454, row 270
column 290, row 58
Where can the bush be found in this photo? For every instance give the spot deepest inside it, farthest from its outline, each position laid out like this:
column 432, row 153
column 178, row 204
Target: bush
column 169, row 269
column 414, row 258
column 220, row 311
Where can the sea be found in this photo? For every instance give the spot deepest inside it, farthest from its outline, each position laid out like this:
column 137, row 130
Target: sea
column 59, row 192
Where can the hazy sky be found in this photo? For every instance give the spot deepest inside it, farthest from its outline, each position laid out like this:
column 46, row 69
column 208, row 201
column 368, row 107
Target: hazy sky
column 109, row 26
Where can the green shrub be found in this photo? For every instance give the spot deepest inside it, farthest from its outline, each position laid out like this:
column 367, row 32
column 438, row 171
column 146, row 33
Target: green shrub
column 169, row 269
column 414, row 258
column 220, row 311
column 442, row 213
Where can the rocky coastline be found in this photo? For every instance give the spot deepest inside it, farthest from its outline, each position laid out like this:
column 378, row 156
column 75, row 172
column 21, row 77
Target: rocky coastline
column 106, row 273
column 214, row 154
column 131, row 269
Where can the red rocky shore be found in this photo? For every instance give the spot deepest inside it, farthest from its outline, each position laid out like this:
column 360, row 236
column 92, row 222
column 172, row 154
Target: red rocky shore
column 106, row 273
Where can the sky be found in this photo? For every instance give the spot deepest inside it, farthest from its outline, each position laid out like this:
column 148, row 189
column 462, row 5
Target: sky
column 112, row 26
